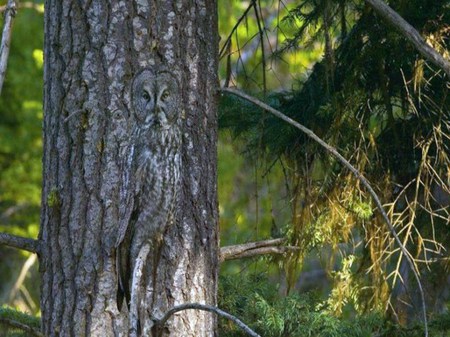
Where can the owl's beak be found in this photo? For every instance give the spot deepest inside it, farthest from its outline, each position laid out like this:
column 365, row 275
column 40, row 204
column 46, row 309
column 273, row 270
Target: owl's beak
column 154, row 118
column 160, row 119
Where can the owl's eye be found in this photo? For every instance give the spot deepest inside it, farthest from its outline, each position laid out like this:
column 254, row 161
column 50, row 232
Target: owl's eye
column 146, row 96
column 165, row 95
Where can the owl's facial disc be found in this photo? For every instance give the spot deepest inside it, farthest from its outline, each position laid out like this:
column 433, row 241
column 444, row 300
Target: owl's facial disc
column 163, row 108
column 156, row 105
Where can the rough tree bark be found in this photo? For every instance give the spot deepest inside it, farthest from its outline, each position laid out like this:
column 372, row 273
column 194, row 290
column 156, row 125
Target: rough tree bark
column 92, row 51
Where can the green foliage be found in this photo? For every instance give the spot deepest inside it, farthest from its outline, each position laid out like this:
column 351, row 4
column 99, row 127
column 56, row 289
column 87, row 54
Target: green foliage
column 21, row 150
column 257, row 303
column 21, row 113
column 250, row 209
column 345, row 290
column 251, row 32
column 376, row 100
column 9, row 314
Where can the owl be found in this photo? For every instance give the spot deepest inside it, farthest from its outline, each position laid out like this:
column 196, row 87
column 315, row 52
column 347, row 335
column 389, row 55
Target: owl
column 151, row 174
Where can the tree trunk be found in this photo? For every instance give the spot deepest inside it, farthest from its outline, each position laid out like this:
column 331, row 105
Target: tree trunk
column 93, row 50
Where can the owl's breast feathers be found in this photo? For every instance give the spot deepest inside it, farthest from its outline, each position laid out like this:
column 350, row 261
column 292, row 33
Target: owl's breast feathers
column 155, row 179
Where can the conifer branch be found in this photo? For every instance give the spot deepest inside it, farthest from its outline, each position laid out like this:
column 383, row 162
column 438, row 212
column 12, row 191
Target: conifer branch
column 411, row 34
column 357, row 174
column 21, row 326
column 19, row 242
column 251, row 249
column 197, row 306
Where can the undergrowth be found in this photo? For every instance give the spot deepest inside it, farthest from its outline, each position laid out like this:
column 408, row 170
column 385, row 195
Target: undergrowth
column 257, row 303
column 11, row 319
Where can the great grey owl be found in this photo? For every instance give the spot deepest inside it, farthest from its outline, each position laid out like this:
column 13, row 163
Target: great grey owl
column 152, row 175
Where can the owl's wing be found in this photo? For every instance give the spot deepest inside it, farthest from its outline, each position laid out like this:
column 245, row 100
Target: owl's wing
column 127, row 193
column 123, row 269
column 127, row 206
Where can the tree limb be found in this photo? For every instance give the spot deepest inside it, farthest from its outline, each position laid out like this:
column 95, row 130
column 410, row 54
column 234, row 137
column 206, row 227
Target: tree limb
column 251, row 249
column 357, row 174
column 197, row 306
column 19, row 242
column 256, row 252
column 18, row 325
column 29, row 5
column 6, row 39
column 411, row 34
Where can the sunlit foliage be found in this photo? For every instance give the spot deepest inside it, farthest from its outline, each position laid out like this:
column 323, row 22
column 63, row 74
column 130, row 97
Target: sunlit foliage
column 21, row 155
column 383, row 107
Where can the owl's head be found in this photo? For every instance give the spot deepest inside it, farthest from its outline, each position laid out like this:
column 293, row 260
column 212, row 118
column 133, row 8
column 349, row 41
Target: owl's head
column 156, row 100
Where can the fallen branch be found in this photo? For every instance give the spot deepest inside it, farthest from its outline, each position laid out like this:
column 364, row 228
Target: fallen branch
column 357, row 174
column 251, row 249
column 10, row 12
column 19, row 242
column 18, row 325
column 411, row 34
column 197, row 306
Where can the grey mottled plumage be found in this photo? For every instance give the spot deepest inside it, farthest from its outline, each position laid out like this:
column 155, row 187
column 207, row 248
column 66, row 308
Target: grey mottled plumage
column 152, row 174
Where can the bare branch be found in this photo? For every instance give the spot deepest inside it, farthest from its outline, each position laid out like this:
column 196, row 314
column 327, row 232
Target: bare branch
column 6, row 39
column 273, row 250
column 251, row 249
column 18, row 325
column 357, row 174
column 411, row 34
column 197, row 306
column 29, row 5
column 19, row 242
